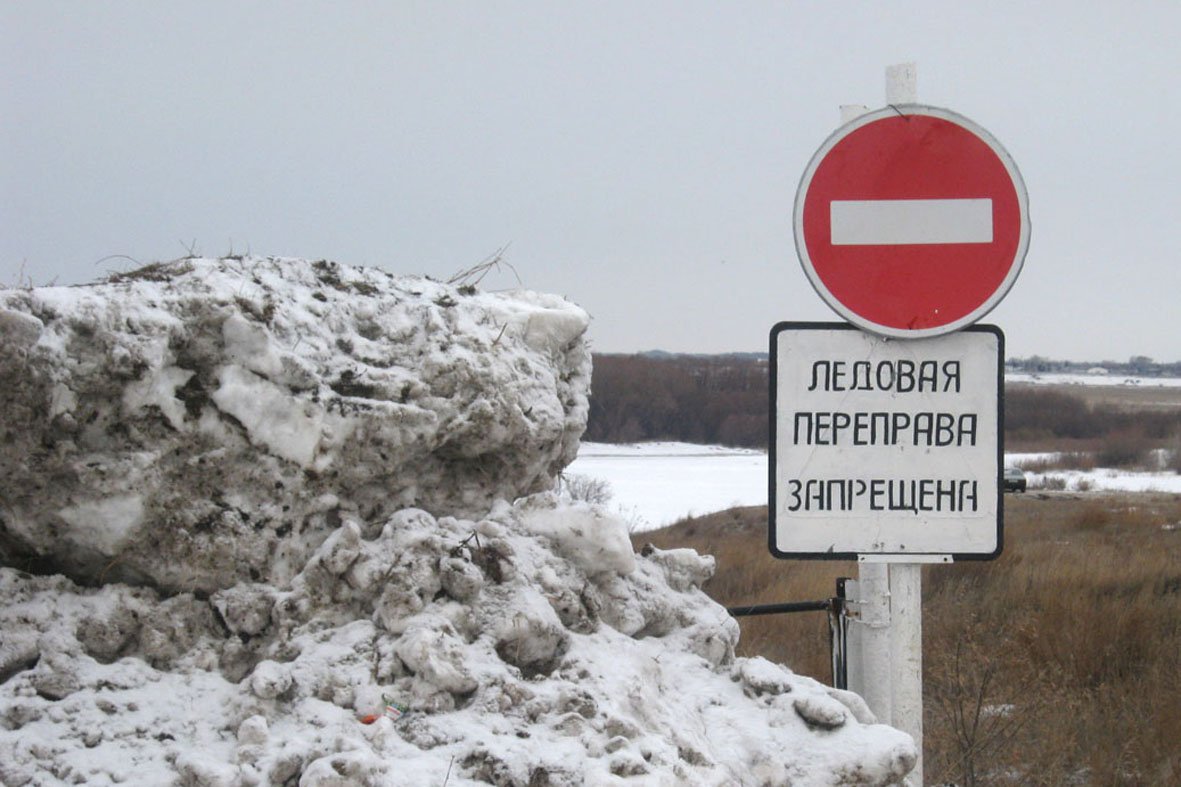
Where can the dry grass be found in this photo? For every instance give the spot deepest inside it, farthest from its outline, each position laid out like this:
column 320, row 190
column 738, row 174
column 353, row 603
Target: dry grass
column 1073, row 460
column 1129, row 397
column 1056, row 664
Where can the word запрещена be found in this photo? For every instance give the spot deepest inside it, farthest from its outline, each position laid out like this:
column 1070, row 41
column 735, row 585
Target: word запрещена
column 927, row 495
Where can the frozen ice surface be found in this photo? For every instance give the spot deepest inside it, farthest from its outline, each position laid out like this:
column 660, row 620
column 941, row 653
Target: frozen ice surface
column 653, row 485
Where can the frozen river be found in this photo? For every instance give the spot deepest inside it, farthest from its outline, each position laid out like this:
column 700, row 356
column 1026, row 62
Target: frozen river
column 655, row 484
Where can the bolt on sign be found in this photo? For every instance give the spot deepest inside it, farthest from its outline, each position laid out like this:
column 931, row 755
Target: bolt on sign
column 883, row 447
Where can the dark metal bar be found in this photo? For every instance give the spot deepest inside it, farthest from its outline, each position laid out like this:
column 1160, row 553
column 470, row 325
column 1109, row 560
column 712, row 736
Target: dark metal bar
column 838, row 626
column 775, row 609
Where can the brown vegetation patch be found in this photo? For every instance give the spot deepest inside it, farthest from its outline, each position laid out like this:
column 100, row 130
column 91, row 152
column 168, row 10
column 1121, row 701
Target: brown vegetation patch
column 723, row 400
column 1055, row 664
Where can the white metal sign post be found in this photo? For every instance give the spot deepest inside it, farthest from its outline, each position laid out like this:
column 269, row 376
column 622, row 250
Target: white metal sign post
column 912, row 223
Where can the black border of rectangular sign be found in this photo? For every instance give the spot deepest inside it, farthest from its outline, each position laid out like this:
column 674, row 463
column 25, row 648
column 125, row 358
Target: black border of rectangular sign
column 771, row 459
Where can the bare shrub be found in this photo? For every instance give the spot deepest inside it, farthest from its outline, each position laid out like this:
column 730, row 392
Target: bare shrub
column 1173, row 460
column 1049, row 483
column 1125, row 449
column 979, row 701
column 585, row 489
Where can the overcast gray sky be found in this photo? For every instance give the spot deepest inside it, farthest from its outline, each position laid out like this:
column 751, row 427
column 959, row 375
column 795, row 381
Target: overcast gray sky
column 641, row 158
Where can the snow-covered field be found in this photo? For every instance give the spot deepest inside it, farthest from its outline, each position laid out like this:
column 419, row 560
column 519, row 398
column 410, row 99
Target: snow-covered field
column 655, row 484
column 1110, row 380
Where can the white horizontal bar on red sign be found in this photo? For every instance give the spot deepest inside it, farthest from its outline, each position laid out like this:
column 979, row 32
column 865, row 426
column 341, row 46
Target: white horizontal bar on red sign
column 895, row 222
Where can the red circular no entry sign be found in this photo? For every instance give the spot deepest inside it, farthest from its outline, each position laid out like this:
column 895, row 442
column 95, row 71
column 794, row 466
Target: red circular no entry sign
column 911, row 221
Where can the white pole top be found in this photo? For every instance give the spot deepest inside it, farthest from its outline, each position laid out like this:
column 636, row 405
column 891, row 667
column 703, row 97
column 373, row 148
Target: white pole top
column 902, row 84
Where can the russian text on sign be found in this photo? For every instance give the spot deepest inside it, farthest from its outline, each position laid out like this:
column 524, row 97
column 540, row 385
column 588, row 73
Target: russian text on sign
column 923, row 429
column 901, row 376
column 914, row 495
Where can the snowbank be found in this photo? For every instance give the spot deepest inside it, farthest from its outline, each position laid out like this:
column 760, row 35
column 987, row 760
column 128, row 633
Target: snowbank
column 203, row 422
column 281, row 493
column 1098, row 380
column 438, row 651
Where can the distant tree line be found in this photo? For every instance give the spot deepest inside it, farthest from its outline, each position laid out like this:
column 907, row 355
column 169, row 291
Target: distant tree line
column 1136, row 366
column 694, row 399
column 722, row 399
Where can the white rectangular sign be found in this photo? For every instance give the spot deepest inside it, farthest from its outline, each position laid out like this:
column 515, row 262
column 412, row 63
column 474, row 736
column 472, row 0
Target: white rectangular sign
column 885, row 446
column 898, row 222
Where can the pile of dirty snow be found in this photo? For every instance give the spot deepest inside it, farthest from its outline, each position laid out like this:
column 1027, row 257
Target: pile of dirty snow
column 203, row 422
column 530, row 647
column 413, row 608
